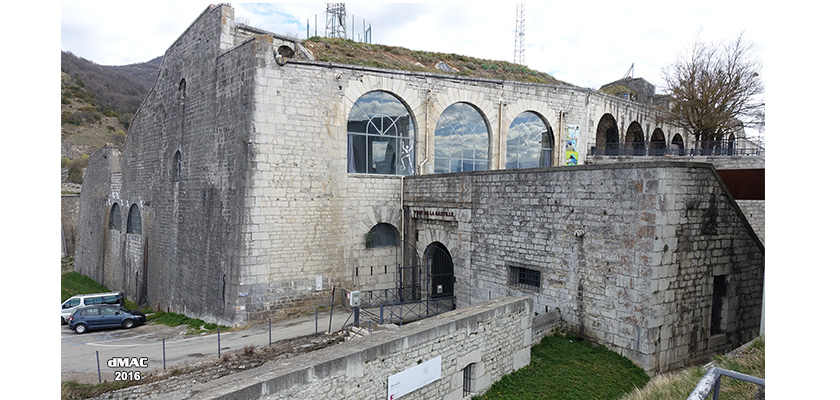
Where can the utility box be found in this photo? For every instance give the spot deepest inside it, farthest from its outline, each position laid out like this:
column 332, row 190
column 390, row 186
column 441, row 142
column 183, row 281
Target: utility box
column 354, row 298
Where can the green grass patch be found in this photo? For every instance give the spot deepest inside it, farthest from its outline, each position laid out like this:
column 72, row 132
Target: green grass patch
column 565, row 367
column 72, row 390
column 195, row 325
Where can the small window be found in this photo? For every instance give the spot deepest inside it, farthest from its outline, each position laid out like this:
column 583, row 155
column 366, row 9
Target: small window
column 134, row 223
column 718, row 301
column 469, row 380
column 381, row 235
column 176, row 167
column 524, row 278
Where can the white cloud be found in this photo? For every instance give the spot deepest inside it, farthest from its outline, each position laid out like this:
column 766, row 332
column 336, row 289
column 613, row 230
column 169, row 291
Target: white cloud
column 583, row 43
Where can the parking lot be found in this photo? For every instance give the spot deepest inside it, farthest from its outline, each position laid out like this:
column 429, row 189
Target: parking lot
column 145, row 345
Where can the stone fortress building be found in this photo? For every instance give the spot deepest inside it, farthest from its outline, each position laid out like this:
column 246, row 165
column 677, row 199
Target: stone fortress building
column 254, row 179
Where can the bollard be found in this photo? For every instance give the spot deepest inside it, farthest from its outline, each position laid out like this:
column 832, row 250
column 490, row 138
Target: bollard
column 269, row 331
column 164, row 353
column 316, row 319
column 98, row 371
column 219, row 340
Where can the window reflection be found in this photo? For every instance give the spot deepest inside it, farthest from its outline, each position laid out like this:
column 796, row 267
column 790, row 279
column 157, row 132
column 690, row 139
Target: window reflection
column 529, row 142
column 380, row 136
column 461, row 140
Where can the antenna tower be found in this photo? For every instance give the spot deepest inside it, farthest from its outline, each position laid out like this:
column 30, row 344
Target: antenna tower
column 519, row 46
column 336, row 21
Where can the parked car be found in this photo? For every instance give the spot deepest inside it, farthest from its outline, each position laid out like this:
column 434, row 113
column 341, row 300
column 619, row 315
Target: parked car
column 104, row 316
column 80, row 300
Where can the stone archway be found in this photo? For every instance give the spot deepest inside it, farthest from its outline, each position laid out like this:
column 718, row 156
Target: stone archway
column 634, row 141
column 657, row 143
column 607, row 141
column 440, row 270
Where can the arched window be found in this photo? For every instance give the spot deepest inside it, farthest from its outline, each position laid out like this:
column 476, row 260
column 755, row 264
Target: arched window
column 381, row 235
column 176, row 167
column 462, row 140
column 529, row 142
column 115, row 218
column 380, row 136
column 135, row 225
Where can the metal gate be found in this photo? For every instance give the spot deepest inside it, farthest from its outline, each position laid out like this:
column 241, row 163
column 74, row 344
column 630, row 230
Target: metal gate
column 440, row 271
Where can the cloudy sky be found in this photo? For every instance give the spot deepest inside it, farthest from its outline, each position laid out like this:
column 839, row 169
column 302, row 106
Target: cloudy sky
column 584, row 43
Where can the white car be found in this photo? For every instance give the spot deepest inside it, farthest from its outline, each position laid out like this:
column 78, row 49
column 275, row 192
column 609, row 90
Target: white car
column 81, row 300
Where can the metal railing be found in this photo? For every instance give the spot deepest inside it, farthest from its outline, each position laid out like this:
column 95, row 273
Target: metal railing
column 413, row 310
column 710, row 382
column 719, row 148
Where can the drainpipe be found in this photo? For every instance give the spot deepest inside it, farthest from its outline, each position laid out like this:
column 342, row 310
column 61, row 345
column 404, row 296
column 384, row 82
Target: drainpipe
column 426, row 131
column 499, row 139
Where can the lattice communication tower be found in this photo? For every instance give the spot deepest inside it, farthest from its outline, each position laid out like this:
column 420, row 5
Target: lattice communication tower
column 336, row 21
column 519, row 46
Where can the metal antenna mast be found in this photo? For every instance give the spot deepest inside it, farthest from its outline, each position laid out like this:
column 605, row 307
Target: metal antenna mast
column 336, row 21
column 519, row 46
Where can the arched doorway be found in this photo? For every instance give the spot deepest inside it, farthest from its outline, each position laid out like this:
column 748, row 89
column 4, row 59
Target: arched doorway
column 440, row 270
column 606, row 138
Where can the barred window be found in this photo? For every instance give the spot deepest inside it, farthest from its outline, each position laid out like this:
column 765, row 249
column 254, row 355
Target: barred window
column 524, row 278
column 469, row 380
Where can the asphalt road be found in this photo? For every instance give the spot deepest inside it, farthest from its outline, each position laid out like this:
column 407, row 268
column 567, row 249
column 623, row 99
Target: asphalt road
column 79, row 352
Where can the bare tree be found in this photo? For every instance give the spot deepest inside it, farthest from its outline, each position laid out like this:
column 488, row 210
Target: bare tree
column 716, row 90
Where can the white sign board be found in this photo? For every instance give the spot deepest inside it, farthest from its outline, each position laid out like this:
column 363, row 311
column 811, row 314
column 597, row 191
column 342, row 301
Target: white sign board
column 405, row 382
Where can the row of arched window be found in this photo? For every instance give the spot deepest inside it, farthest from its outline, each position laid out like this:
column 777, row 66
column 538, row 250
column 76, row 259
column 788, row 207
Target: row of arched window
column 380, row 138
column 134, row 225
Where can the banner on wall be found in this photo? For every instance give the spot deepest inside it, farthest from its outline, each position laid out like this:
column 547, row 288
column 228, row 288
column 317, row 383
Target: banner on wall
column 572, row 137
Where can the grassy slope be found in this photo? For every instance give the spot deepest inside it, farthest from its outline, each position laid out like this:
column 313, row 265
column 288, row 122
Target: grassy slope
column 563, row 367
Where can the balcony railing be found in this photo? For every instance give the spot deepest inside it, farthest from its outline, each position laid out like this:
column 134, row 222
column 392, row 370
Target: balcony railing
column 717, row 148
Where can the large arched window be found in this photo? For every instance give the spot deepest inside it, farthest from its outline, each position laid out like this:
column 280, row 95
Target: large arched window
column 115, row 218
column 381, row 235
column 462, row 140
column 380, row 136
column 529, row 142
column 135, row 225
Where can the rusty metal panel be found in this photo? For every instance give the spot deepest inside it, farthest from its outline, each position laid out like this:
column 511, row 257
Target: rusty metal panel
column 744, row 184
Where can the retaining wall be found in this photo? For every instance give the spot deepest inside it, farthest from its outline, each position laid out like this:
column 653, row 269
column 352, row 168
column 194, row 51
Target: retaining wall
column 495, row 336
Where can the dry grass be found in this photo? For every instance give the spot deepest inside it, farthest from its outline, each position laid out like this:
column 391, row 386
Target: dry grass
column 678, row 385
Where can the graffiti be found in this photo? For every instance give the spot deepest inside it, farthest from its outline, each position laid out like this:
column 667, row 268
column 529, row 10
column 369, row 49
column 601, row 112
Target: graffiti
column 572, row 155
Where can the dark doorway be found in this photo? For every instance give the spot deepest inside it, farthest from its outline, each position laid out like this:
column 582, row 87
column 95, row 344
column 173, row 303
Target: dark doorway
column 441, row 271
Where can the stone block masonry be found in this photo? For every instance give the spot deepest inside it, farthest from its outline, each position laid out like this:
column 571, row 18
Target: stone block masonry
column 654, row 260
column 494, row 337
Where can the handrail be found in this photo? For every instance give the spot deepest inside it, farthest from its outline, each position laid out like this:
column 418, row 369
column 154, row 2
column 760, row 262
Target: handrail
column 711, row 382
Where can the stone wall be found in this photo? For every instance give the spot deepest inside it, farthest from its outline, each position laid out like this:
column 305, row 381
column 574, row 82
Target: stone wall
column 237, row 164
column 69, row 223
column 626, row 253
column 495, row 336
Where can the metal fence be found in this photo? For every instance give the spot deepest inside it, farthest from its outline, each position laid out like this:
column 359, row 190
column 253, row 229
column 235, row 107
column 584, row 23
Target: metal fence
column 404, row 312
column 713, row 148
column 710, row 383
